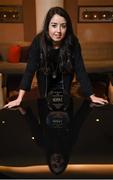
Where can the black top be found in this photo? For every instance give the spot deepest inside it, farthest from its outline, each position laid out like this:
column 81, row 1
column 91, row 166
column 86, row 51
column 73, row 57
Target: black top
column 46, row 81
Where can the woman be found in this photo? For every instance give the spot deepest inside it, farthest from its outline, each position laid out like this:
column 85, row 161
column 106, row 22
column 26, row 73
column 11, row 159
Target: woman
column 55, row 55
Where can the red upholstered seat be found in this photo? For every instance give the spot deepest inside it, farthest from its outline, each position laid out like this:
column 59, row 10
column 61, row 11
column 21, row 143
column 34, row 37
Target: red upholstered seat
column 14, row 54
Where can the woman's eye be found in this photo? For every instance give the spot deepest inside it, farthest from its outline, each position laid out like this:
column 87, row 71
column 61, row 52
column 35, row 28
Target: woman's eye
column 54, row 25
column 63, row 25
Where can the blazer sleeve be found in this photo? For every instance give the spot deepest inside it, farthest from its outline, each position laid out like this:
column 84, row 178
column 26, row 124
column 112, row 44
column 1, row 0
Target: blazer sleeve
column 32, row 65
column 80, row 71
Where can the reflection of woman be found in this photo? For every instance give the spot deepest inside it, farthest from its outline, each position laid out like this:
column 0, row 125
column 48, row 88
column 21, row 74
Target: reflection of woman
column 55, row 56
column 57, row 163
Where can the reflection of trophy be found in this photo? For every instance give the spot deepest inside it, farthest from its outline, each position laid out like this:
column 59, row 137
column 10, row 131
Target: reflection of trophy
column 58, row 103
column 58, row 99
column 57, row 129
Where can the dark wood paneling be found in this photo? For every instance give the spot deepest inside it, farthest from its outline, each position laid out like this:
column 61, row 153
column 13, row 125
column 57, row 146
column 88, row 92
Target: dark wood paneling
column 29, row 19
column 71, row 8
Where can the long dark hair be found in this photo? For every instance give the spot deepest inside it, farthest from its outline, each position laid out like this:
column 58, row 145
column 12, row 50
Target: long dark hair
column 68, row 41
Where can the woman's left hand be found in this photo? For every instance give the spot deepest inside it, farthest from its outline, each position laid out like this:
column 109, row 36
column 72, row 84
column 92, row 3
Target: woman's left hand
column 99, row 100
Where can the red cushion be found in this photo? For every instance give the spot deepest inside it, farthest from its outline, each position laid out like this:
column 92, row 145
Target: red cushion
column 14, row 54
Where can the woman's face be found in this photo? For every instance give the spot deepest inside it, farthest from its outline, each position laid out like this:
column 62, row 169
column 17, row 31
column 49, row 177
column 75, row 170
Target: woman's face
column 57, row 28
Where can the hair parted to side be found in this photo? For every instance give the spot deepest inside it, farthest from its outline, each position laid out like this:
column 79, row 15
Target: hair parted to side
column 68, row 41
column 60, row 11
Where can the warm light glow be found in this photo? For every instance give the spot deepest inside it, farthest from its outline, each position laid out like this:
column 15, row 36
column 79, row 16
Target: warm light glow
column 3, row 122
column 95, row 16
column 91, row 168
column 104, row 15
column 86, row 15
column 97, row 120
column 76, row 168
column 33, row 138
column 14, row 15
column 4, row 15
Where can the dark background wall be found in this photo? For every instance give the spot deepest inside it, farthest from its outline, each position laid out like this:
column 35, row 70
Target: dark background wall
column 25, row 31
column 90, row 32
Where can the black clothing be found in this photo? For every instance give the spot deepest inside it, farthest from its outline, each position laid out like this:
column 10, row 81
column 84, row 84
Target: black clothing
column 45, row 81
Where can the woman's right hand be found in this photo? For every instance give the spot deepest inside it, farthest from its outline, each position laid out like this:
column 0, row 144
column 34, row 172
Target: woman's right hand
column 13, row 103
column 17, row 101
